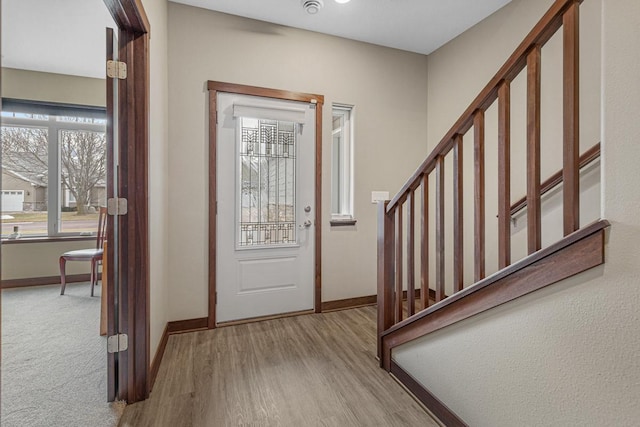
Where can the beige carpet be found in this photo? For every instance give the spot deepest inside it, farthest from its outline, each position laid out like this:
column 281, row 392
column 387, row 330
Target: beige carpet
column 54, row 362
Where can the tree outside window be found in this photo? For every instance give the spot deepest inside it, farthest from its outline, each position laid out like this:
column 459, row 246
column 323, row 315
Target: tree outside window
column 66, row 151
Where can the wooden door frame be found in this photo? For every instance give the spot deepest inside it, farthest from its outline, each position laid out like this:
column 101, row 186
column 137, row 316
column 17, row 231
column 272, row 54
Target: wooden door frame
column 133, row 131
column 215, row 87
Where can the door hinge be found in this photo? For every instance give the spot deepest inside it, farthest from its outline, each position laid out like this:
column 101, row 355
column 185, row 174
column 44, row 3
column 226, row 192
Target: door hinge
column 117, row 206
column 117, row 343
column 116, row 70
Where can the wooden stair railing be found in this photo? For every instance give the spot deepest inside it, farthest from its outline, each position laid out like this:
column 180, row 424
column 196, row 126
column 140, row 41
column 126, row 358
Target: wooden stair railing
column 586, row 158
column 397, row 238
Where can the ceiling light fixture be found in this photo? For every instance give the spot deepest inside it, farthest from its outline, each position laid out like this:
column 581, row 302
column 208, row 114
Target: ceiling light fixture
column 312, row 6
column 342, row 1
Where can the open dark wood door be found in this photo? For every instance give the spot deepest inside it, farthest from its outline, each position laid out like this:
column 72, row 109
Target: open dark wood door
column 129, row 296
column 113, row 241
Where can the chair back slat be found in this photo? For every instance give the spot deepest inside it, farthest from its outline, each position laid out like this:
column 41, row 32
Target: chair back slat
column 102, row 227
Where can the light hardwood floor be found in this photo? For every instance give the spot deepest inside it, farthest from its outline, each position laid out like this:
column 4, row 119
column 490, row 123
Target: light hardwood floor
column 309, row 370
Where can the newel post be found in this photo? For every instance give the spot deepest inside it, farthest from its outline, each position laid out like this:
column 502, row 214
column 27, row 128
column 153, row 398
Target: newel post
column 386, row 239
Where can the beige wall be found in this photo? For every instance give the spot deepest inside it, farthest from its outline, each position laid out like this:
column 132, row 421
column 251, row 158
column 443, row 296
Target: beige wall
column 39, row 86
column 462, row 67
column 565, row 355
column 388, row 88
column 158, row 171
column 26, row 260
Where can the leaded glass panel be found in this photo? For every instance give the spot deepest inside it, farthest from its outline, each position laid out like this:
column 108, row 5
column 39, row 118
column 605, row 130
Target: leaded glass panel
column 267, row 154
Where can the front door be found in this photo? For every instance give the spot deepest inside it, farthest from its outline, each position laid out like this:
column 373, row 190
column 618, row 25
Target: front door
column 265, row 211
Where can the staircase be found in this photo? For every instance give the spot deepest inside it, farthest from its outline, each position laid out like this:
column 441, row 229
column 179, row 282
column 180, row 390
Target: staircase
column 408, row 247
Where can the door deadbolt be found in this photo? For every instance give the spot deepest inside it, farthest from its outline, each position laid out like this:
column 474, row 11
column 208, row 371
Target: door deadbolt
column 307, row 209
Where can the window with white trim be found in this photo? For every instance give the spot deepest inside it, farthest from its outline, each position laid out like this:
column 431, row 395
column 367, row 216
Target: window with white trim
column 57, row 155
column 342, row 165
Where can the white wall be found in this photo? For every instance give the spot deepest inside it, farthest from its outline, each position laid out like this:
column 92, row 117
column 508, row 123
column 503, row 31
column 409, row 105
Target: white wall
column 52, row 87
column 565, row 355
column 388, row 88
column 158, row 170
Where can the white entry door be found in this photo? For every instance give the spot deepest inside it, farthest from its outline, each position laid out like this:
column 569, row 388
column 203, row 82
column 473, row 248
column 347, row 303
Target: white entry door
column 265, row 187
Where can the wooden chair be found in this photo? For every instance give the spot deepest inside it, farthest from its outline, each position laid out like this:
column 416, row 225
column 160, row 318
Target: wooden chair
column 92, row 255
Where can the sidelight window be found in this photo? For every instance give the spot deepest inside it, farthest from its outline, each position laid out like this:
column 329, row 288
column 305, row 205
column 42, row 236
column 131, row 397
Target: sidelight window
column 342, row 164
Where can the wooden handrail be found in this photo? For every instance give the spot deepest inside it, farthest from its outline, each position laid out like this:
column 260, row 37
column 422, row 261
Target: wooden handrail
column 541, row 33
column 529, row 281
column 587, row 157
column 585, row 231
column 400, row 225
column 404, row 221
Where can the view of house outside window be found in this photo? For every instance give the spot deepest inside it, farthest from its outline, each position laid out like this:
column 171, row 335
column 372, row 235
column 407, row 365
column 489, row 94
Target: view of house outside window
column 53, row 173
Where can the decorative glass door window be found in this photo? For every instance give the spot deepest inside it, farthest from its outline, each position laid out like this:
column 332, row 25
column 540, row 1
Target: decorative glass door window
column 267, row 182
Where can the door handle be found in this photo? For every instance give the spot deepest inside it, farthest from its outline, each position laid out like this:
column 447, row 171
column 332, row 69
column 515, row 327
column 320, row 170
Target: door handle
column 306, row 224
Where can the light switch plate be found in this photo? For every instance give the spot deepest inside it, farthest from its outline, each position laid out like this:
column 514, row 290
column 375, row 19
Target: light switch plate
column 379, row 196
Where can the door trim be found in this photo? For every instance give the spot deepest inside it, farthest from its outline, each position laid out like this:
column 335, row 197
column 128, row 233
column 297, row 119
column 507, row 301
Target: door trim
column 215, row 87
column 133, row 105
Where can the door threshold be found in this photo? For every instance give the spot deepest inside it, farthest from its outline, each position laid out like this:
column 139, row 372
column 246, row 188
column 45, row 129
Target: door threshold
column 263, row 318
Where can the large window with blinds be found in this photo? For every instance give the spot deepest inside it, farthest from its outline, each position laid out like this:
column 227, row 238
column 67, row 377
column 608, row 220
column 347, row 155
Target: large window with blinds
column 54, row 159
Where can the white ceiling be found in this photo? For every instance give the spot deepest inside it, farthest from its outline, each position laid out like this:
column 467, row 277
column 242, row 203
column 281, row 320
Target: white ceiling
column 415, row 25
column 68, row 36
column 57, row 36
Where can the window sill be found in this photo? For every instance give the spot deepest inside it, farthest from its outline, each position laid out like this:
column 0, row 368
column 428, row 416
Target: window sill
column 45, row 239
column 343, row 222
